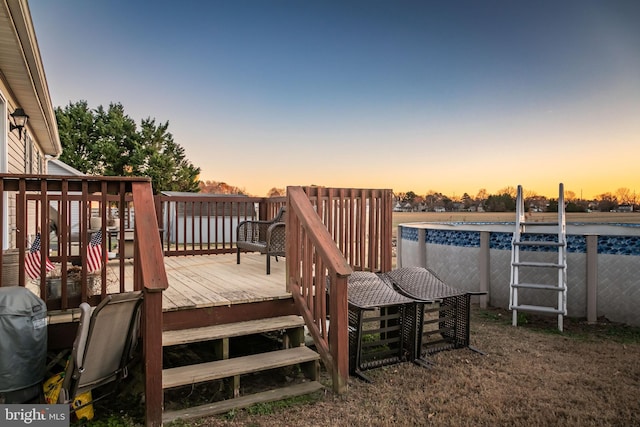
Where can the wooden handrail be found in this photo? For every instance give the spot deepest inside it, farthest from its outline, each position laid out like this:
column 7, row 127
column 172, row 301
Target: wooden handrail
column 320, row 237
column 150, row 260
column 330, row 233
column 313, row 262
column 150, row 275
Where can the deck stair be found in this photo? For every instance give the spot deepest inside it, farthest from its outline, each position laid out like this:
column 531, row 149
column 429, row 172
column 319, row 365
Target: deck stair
column 525, row 236
column 230, row 369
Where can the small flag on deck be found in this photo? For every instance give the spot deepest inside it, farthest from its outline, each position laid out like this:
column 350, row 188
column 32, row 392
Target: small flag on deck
column 32, row 260
column 94, row 252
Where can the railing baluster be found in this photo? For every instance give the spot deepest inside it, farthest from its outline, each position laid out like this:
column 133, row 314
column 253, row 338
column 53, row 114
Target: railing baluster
column 21, row 226
column 3, row 198
column 43, row 204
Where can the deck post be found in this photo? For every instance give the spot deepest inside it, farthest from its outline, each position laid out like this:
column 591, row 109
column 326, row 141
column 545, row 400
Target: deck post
column 339, row 337
column 150, row 275
column 153, row 357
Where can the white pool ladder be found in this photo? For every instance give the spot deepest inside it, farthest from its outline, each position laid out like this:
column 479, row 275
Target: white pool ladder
column 519, row 241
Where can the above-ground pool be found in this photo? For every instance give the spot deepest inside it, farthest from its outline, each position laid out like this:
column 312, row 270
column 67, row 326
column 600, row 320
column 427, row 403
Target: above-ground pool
column 603, row 263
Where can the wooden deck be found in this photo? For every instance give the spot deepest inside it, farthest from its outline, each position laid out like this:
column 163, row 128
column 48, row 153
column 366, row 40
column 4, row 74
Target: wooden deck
column 204, row 281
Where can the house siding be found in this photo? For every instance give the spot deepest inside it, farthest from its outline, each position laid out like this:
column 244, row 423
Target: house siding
column 17, row 161
column 23, row 84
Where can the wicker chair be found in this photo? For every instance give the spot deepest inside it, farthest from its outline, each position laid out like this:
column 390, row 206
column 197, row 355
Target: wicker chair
column 266, row 237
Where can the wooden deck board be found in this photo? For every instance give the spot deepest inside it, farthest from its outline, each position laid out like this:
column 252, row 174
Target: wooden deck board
column 215, row 332
column 193, row 374
column 242, row 402
column 201, row 281
column 215, row 280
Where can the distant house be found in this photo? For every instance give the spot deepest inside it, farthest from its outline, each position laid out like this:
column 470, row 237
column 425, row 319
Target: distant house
column 58, row 167
column 24, row 147
column 625, row 208
column 458, row 207
column 402, row 207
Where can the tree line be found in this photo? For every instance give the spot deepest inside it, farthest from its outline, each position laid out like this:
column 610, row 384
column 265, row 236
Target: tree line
column 505, row 201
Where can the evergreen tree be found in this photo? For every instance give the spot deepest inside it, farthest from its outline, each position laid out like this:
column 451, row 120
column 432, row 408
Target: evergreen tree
column 108, row 142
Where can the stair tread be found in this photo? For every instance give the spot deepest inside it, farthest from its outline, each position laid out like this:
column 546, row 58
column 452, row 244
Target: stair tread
column 191, row 374
column 185, row 336
column 538, row 286
column 538, row 309
column 242, row 402
column 538, row 243
column 538, row 264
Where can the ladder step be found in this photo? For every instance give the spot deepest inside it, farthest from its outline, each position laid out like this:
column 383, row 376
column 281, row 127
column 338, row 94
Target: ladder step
column 537, row 286
column 538, row 309
column 538, row 264
column 191, row 374
column 242, row 402
column 545, row 224
column 534, row 243
column 229, row 330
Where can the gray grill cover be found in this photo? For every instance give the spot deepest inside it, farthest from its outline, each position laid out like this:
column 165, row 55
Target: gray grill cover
column 23, row 338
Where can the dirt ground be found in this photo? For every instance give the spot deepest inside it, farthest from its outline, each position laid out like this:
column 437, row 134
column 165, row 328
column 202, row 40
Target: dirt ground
column 589, row 375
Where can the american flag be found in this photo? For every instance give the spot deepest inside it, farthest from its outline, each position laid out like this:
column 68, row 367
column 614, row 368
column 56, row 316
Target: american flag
column 32, row 260
column 94, row 252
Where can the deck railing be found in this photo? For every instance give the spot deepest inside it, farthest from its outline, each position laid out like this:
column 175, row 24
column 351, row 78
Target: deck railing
column 359, row 221
column 56, row 212
column 331, row 232
column 68, row 216
column 316, row 270
column 202, row 224
column 150, row 275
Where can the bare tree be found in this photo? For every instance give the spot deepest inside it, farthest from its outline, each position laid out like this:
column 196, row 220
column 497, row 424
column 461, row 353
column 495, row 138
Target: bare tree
column 276, row 192
column 215, row 187
column 529, row 194
column 624, row 196
column 511, row 191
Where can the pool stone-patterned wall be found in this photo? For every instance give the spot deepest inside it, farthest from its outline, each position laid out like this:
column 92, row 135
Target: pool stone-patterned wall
column 455, row 255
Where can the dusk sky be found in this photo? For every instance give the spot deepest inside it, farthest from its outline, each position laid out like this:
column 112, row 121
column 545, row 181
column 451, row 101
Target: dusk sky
column 449, row 96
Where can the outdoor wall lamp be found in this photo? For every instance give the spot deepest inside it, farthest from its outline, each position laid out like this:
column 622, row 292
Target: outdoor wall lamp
column 19, row 121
